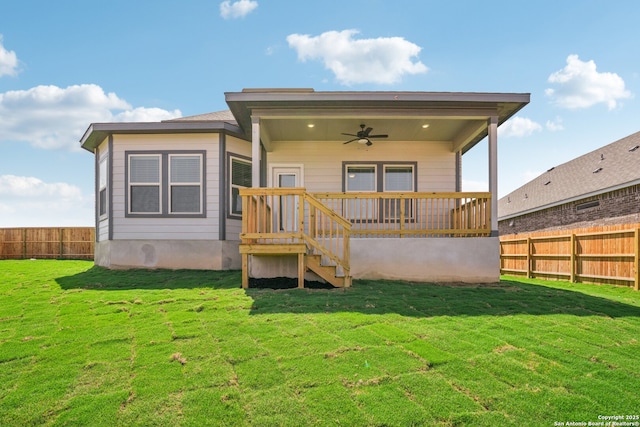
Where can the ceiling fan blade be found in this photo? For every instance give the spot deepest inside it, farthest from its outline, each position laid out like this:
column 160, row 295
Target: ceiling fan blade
column 378, row 136
column 349, row 134
column 366, row 132
column 369, row 143
column 351, row 140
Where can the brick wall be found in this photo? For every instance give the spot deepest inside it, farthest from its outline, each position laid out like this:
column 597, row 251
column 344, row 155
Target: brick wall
column 615, row 207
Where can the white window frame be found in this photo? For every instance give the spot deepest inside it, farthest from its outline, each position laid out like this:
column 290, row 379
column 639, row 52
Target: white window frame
column 171, row 184
column 364, row 165
column 233, row 186
column 392, row 165
column 102, row 186
column 144, row 184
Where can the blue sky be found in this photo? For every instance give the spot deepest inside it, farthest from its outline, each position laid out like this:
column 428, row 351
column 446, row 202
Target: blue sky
column 66, row 64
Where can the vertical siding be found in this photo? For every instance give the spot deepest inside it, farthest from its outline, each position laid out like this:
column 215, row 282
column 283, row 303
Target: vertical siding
column 165, row 227
column 243, row 148
column 323, row 161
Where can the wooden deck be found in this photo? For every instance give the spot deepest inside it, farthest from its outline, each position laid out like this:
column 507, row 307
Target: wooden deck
column 318, row 227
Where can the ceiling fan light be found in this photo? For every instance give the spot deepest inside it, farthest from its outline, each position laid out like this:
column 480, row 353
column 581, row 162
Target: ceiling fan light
column 363, row 141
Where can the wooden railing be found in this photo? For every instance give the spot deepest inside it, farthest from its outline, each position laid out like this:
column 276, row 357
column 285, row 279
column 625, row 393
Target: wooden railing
column 396, row 214
column 281, row 216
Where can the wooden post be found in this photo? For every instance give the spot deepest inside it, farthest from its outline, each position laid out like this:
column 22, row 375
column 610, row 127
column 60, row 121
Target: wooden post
column 61, row 251
column 24, row 243
column 301, row 269
column 402, row 214
column 529, row 258
column 636, row 260
column 245, row 270
column 572, row 243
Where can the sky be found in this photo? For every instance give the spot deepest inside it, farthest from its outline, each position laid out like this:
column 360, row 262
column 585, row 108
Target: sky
column 69, row 63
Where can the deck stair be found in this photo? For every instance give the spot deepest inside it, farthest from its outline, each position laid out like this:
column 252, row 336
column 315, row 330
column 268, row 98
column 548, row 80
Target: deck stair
column 329, row 273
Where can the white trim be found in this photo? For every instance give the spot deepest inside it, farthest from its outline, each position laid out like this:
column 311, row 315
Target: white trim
column 145, row 184
column 199, row 183
column 392, row 165
column 297, row 167
column 361, row 165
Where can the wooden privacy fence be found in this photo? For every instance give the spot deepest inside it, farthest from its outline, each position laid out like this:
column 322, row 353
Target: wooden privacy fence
column 48, row 242
column 607, row 254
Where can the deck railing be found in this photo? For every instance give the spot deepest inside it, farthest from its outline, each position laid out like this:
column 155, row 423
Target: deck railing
column 397, row 214
column 280, row 216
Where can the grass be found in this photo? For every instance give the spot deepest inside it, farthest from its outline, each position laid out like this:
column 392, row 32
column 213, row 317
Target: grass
column 81, row 345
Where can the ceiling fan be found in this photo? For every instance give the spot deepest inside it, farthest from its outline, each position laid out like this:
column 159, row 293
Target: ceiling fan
column 363, row 136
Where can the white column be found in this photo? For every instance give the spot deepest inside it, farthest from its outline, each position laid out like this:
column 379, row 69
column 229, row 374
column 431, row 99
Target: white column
column 492, row 126
column 255, row 151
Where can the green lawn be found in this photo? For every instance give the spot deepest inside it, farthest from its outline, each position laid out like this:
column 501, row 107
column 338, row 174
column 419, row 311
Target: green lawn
column 81, row 345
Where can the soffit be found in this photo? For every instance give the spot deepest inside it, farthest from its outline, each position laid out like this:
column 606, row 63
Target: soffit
column 456, row 117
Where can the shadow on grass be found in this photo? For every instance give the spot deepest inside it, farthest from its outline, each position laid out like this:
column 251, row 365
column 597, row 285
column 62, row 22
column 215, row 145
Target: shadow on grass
column 100, row 278
column 506, row 298
column 425, row 300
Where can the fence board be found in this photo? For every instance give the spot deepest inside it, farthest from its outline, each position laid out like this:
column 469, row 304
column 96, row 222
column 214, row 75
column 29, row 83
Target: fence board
column 605, row 254
column 47, row 242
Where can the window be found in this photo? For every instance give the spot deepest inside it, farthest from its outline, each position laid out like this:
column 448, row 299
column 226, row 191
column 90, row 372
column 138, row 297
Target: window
column 102, row 188
column 240, row 177
column 144, row 183
column 168, row 183
column 185, row 183
column 378, row 177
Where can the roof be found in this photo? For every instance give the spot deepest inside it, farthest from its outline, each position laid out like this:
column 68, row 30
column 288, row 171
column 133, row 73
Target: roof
column 457, row 117
column 608, row 168
column 225, row 116
column 203, row 123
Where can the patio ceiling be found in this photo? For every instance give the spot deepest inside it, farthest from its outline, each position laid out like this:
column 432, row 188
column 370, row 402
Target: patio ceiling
column 458, row 118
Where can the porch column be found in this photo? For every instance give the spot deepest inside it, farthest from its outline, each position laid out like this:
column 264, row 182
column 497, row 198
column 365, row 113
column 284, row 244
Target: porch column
column 492, row 126
column 255, row 151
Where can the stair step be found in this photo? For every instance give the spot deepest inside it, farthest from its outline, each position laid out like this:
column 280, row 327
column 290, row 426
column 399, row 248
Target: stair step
column 326, row 272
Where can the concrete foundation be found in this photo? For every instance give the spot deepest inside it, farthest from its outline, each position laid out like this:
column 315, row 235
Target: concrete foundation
column 470, row 260
column 170, row 254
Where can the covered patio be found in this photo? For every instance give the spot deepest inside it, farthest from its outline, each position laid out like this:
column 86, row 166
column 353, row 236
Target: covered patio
column 390, row 208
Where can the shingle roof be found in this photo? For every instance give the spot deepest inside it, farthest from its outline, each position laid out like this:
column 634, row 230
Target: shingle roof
column 224, row 116
column 613, row 166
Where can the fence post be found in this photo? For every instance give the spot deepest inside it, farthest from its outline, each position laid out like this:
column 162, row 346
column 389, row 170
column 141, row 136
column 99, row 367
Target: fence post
column 24, row 243
column 529, row 258
column 61, row 243
column 636, row 260
column 572, row 243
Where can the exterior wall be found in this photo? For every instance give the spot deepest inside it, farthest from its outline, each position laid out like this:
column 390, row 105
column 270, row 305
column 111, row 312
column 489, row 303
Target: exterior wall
column 323, row 161
column 166, row 228
column 171, row 254
column 469, row 260
column 233, row 226
column 102, row 223
column 615, row 207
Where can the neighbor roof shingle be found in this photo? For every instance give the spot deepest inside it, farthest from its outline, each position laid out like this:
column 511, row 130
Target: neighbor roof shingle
column 224, row 116
column 610, row 167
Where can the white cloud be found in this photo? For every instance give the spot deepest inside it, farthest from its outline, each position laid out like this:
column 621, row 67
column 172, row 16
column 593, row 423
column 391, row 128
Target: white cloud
column 28, row 201
column 383, row 60
column 8, row 61
column 554, row 125
column 518, row 127
column 237, row 9
column 55, row 118
column 580, row 85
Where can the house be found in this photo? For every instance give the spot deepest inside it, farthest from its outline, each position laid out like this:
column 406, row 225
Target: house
column 294, row 182
column 599, row 188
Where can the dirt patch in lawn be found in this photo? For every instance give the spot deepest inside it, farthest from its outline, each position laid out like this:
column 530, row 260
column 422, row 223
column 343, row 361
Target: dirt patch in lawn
column 285, row 283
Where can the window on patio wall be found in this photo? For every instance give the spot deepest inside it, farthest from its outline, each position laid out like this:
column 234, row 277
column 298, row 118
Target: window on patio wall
column 378, row 177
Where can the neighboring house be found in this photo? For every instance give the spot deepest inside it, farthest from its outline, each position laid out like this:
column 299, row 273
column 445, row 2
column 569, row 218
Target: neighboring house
column 599, row 188
column 276, row 176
